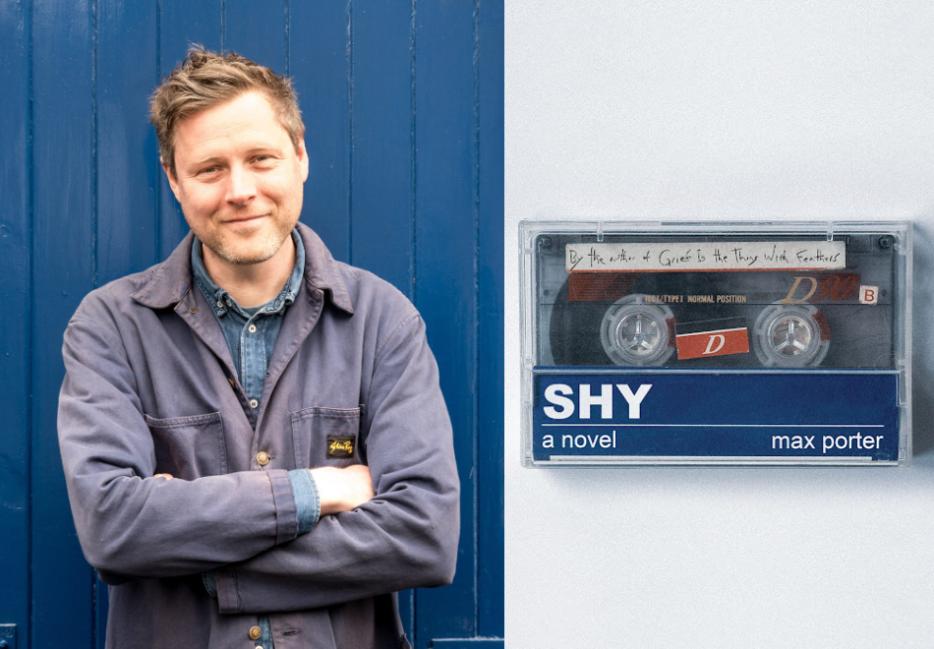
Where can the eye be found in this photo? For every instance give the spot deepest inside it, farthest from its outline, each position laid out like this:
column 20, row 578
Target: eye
column 207, row 171
column 263, row 159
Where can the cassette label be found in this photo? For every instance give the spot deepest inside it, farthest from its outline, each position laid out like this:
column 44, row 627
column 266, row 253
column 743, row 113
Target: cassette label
column 706, row 256
column 824, row 417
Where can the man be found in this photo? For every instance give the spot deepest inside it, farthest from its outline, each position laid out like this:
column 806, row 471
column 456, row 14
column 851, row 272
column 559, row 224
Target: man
column 256, row 449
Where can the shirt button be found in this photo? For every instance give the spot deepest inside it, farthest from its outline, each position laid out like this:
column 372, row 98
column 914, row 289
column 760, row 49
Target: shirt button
column 262, row 459
column 255, row 632
column 251, row 328
column 254, row 404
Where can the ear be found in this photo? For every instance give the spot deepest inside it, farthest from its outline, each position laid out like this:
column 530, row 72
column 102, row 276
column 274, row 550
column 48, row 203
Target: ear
column 173, row 181
column 301, row 152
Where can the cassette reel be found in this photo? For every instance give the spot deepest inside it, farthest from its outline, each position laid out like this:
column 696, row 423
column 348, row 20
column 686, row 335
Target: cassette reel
column 791, row 335
column 635, row 333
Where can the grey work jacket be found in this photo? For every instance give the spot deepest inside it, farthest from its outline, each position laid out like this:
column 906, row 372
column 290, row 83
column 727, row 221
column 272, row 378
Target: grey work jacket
column 150, row 388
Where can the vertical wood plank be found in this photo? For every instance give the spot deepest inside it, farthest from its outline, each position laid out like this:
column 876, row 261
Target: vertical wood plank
column 181, row 24
column 127, row 179
column 320, row 64
column 381, row 166
column 128, row 168
column 14, row 295
column 257, row 30
column 490, row 318
column 446, row 235
column 64, row 248
column 382, row 189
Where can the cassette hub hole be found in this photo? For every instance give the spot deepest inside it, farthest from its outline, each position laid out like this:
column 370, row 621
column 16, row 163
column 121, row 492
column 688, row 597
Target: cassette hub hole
column 639, row 334
column 791, row 335
column 635, row 333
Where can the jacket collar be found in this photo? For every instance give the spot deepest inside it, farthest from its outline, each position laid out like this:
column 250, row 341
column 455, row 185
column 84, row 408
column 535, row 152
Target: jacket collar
column 171, row 280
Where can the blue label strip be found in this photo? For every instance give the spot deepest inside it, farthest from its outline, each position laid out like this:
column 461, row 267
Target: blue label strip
column 658, row 414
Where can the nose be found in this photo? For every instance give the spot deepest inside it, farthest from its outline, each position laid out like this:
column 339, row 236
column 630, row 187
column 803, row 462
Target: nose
column 241, row 187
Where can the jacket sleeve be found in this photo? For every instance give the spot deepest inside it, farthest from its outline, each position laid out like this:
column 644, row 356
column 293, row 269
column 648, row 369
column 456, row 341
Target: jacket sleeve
column 131, row 524
column 406, row 536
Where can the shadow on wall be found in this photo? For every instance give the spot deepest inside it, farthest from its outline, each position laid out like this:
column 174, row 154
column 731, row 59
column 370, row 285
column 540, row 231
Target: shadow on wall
column 922, row 423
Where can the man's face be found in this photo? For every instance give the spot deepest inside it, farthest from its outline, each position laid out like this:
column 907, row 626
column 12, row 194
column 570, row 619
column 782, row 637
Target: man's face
column 238, row 179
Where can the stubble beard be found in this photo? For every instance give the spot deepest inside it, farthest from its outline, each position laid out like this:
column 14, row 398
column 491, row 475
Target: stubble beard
column 248, row 253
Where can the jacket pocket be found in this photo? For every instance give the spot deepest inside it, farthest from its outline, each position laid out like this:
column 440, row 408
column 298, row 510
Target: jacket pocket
column 326, row 436
column 189, row 447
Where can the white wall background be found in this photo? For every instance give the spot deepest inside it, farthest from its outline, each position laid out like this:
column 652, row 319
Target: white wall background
column 721, row 110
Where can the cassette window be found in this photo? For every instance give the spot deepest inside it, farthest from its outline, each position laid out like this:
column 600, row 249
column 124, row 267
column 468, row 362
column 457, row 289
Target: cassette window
column 816, row 313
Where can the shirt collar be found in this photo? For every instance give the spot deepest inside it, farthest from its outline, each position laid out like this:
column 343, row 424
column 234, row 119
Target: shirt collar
column 220, row 300
column 169, row 282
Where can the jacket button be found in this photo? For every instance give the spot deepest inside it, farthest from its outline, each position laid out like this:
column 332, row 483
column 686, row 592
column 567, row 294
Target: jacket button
column 255, row 632
column 262, row 458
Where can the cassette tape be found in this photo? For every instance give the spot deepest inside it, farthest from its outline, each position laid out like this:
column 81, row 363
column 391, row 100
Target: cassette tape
column 716, row 342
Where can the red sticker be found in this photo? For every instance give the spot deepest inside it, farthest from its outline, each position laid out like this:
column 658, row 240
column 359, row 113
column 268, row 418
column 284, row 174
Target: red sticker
column 719, row 342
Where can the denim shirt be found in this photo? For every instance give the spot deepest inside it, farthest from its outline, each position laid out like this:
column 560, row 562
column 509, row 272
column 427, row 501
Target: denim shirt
column 251, row 335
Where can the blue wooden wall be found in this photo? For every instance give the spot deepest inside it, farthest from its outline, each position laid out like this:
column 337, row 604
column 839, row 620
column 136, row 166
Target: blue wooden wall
column 403, row 102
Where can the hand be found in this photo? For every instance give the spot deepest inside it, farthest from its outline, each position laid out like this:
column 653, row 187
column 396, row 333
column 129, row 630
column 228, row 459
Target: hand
column 341, row 490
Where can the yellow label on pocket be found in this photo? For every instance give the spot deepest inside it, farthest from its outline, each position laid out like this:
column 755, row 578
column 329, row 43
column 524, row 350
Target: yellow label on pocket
column 340, row 446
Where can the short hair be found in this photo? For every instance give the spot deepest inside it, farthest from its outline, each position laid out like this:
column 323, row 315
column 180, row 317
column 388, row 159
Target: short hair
column 205, row 79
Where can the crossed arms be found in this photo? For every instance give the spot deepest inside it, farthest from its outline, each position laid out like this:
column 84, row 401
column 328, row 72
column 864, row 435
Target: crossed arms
column 390, row 525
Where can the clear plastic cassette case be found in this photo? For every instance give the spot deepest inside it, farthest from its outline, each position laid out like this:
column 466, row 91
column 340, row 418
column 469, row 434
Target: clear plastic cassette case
column 715, row 342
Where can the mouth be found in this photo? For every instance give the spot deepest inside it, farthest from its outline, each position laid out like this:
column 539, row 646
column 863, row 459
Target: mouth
column 246, row 219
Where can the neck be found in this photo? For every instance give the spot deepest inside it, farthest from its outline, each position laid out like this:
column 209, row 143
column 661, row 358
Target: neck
column 252, row 285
